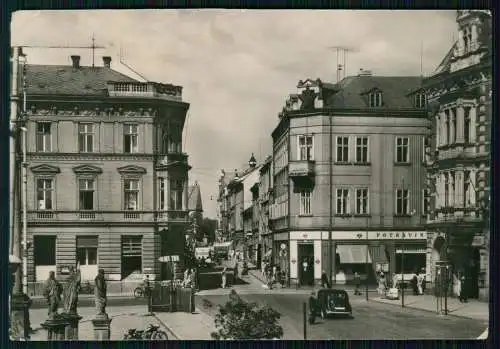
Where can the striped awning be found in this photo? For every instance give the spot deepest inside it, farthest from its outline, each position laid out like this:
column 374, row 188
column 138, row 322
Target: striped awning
column 354, row 254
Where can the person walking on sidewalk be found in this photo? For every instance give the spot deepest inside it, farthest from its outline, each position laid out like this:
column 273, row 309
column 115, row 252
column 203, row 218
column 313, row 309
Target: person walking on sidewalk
column 357, row 284
column 313, row 302
column 381, row 285
column 463, row 290
column 224, row 277
column 420, row 280
column 324, row 280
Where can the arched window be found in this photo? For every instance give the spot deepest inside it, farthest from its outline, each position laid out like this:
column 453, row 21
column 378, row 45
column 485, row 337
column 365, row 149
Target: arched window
column 375, row 99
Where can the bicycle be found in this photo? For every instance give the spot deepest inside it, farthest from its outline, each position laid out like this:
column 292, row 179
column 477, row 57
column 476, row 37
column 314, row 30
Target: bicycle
column 139, row 292
column 153, row 332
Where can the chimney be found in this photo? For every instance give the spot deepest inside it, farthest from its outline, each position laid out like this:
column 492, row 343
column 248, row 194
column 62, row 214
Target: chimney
column 76, row 61
column 107, row 61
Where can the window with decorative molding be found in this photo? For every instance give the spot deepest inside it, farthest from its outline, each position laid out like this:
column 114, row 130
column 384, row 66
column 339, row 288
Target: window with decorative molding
column 131, row 194
column 306, row 148
column 130, row 139
column 305, row 202
column 86, row 194
column 362, row 200
column 402, row 150
column 446, row 189
column 176, row 193
column 420, row 100
column 342, row 149
column 402, row 202
column 86, row 138
column 44, row 136
column 342, row 201
column 375, row 99
column 468, row 189
column 45, row 193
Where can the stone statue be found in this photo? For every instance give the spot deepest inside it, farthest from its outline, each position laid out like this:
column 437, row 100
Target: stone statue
column 70, row 293
column 308, row 97
column 52, row 293
column 100, row 293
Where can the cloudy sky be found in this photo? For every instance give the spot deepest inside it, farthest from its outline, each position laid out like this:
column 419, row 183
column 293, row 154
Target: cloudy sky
column 237, row 67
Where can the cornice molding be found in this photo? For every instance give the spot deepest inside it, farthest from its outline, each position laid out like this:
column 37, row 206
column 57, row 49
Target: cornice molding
column 108, row 111
column 131, row 169
column 87, row 169
column 45, row 169
column 91, row 156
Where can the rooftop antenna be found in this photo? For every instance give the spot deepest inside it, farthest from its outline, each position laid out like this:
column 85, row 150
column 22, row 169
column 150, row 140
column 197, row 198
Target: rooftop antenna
column 342, row 55
column 129, row 67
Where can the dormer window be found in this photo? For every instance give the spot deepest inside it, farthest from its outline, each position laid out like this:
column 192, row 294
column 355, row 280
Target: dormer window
column 375, row 99
column 420, row 100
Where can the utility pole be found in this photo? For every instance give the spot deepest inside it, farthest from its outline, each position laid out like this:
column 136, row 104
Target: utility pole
column 20, row 301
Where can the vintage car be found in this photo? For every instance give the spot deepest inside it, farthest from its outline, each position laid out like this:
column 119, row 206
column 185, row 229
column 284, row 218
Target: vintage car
column 333, row 302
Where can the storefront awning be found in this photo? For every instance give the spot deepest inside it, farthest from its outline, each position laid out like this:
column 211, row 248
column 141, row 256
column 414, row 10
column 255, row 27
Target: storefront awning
column 353, row 254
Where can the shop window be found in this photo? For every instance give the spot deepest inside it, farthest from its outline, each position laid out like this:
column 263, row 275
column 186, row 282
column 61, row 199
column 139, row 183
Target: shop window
column 86, row 256
column 131, row 247
column 44, row 248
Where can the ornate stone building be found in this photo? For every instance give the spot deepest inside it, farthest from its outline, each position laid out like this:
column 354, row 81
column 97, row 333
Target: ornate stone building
column 107, row 179
column 459, row 95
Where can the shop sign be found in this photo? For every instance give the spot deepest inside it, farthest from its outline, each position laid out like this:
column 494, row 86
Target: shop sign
column 395, row 235
column 317, row 261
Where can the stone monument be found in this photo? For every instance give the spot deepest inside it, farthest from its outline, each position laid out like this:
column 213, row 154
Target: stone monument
column 101, row 322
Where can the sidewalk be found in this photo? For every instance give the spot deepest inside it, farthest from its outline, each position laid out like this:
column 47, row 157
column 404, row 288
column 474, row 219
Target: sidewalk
column 186, row 326
column 473, row 309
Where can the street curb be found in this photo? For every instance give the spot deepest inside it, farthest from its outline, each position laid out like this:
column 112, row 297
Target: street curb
column 168, row 328
column 426, row 310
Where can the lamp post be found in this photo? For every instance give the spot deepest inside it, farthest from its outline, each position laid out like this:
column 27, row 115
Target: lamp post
column 366, row 261
column 402, row 267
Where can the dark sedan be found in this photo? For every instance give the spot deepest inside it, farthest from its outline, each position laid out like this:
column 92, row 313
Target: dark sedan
column 333, row 302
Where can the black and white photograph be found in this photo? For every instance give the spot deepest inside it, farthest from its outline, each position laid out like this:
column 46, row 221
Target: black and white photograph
column 222, row 174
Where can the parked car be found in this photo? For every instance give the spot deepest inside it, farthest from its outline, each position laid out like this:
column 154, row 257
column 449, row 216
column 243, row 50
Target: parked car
column 333, row 302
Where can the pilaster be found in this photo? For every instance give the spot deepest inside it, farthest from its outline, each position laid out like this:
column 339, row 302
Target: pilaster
column 460, row 124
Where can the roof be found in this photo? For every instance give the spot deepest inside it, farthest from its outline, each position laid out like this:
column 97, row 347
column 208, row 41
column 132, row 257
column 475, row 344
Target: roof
column 445, row 64
column 194, row 198
column 66, row 80
column 395, row 91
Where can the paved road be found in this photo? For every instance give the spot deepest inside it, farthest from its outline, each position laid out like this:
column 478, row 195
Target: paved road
column 372, row 320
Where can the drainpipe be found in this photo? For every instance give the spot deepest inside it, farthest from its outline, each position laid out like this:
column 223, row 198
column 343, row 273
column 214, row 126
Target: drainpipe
column 330, row 188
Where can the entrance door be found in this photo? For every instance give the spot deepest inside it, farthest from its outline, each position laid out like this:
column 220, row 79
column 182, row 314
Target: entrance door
column 305, row 256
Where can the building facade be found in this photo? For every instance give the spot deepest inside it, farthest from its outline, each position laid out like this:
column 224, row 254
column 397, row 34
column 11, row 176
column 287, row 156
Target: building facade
column 107, row 178
column 459, row 93
column 264, row 200
column 349, row 179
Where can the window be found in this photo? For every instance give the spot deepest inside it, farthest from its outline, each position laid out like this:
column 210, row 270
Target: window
column 402, row 151
column 44, row 250
column 447, row 126
column 446, row 190
column 362, row 149
column 426, row 143
column 402, row 202
column 130, row 139
column 342, row 149
column 161, row 193
column 86, row 195
column 176, row 191
column 86, row 138
column 375, row 99
column 467, row 189
column 86, row 250
column 305, row 202
column 342, row 201
column 43, row 137
column 175, row 138
column 420, row 100
column 131, row 255
column 44, row 194
column 131, row 194
column 306, row 148
column 362, row 201
column 426, row 200
column 467, row 125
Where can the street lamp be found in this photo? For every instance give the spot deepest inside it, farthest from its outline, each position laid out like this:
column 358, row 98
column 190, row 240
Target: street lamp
column 402, row 267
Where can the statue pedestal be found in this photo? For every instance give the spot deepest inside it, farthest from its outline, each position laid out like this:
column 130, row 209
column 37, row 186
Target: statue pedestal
column 56, row 328
column 102, row 328
column 20, row 316
column 72, row 322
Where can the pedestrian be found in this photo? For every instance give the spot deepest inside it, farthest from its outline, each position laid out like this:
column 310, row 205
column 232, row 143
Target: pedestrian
column 414, row 284
column 381, row 284
column 263, row 268
column 420, row 280
column 463, row 290
column 313, row 303
column 424, row 281
column 324, row 280
column 224, row 277
column 357, row 284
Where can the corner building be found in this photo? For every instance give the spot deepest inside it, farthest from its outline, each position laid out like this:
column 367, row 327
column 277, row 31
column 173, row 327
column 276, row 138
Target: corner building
column 349, row 179
column 107, row 178
column 459, row 94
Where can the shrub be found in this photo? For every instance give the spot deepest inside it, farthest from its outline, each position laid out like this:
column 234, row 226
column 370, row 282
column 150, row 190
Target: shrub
column 238, row 319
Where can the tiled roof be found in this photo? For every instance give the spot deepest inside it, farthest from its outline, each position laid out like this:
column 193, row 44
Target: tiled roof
column 194, row 198
column 66, row 80
column 395, row 90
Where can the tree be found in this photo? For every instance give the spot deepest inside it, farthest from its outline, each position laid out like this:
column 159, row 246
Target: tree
column 238, row 319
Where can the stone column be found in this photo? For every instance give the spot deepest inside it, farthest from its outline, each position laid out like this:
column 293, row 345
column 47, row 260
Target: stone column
column 472, row 187
column 460, row 124
column 438, row 191
column 472, row 124
column 452, row 125
column 459, row 188
column 445, row 118
column 474, row 38
column 102, row 327
column 438, row 130
column 167, row 194
column 441, row 192
column 451, row 189
column 55, row 327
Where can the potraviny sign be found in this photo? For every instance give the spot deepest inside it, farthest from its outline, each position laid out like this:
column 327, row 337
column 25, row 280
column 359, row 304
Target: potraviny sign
column 173, row 258
column 376, row 235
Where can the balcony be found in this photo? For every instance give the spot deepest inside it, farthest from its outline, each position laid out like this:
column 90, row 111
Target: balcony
column 453, row 216
column 457, row 151
column 172, row 160
column 117, row 217
column 145, row 90
column 172, row 216
column 301, row 168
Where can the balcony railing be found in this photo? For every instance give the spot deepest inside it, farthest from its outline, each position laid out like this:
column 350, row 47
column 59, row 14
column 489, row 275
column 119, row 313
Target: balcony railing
column 144, row 90
column 45, row 216
column 302, row 168
column 457, row 214
column 457, row 151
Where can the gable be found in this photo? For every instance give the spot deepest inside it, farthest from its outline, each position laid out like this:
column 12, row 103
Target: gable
column 44, row 168
column 83, row 169
column 132, row 169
